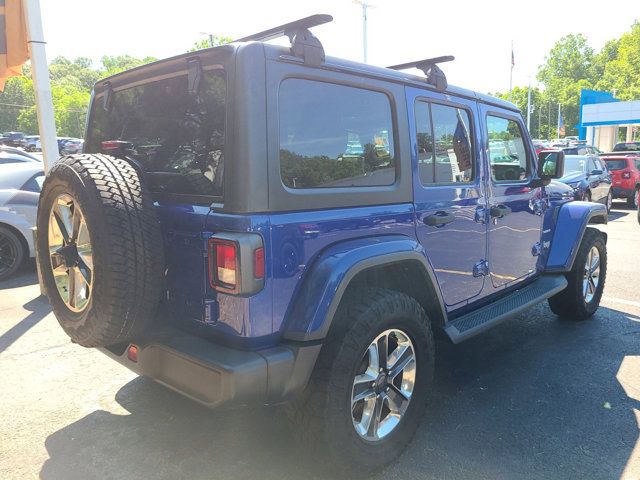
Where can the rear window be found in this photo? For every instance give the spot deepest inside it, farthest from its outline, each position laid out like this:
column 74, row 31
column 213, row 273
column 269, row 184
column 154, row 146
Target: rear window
column 618, row 164
column 177, row 137
column 627, row 147
column 334, row 136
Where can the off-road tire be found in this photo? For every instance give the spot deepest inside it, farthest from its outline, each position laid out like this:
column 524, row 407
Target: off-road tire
column 322, row 415
column 632, row 201
column 10, row 242
column 570, row 302
column 128, row 259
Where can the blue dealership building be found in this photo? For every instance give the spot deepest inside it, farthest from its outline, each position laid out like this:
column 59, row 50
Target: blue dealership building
column 602, row 116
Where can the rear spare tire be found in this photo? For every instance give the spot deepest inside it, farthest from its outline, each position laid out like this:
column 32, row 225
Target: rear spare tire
column 99, row 249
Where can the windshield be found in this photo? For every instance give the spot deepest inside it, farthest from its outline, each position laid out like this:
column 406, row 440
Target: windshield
column 177, row 137
column 574, row 164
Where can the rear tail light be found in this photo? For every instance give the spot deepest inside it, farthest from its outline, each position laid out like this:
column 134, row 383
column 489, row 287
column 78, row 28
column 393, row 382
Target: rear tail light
column 223, row 264
column 132, row 353
column 626, row 174
column 236, row 263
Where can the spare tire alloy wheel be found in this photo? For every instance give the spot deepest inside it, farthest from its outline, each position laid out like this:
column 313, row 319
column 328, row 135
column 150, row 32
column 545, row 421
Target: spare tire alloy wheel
column 71, row 253
column 100, row 255
column 383, row 385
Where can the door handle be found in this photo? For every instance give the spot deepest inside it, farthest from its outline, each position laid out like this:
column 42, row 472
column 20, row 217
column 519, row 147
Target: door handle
column 439, row 219
column 499, row 211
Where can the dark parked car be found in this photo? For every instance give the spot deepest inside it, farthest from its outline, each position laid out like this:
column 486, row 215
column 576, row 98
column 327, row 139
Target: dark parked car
column 258, row 224
column 12, row 139
column 589, row 178
column 627, row 147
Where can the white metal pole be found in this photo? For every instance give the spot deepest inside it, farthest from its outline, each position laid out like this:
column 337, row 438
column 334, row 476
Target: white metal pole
column 364, row 31
column 558, row 136
column 529, row 107
column 41, row 83
column 511, row 73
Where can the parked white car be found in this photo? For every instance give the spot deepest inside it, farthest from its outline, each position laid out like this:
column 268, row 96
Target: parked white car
column 20, row 185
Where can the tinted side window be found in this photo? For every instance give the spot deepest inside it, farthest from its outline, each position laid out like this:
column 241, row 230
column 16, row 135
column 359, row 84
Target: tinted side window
column 637, row 162
column 334, row 136
column 444, row 144
column 34, row 184
column 507, row 153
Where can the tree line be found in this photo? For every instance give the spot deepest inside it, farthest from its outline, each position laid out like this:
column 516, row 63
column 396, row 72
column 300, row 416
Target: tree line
column 71, row 84
column 573, row 65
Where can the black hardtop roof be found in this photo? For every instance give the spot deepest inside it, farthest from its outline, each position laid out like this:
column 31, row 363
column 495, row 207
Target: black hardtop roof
column 277, row 52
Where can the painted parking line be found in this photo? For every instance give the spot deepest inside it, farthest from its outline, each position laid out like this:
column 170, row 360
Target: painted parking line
column 621, row 301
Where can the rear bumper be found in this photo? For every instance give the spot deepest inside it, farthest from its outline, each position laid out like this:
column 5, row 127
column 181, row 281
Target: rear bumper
column 623, row 192
column 215, row 375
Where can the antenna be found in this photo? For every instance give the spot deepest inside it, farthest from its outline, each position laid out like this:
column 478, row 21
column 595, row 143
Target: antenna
column 435, row 76
column 303, row 43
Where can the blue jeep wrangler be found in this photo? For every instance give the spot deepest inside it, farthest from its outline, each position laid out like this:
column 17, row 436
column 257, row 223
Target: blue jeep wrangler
column 254, row 223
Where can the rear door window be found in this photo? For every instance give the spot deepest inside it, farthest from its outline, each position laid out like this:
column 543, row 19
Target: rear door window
column 177, row 137
column 334, row 136
column 444, row 144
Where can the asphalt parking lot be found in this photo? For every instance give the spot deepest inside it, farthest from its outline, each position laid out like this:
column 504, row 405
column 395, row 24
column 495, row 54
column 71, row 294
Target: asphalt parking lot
column 534, row 398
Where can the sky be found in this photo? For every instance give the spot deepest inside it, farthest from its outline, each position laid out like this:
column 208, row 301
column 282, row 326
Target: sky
column 478, row 33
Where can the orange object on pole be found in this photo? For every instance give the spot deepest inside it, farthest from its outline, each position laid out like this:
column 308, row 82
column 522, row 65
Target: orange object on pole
column 14, row 50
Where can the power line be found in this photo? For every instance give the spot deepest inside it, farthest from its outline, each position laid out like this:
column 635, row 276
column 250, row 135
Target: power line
column 16, row 105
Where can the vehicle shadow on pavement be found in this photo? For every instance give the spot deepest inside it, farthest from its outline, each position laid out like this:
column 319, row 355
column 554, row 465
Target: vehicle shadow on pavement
column 534, row 398
column 39, row 308
column 618, row 214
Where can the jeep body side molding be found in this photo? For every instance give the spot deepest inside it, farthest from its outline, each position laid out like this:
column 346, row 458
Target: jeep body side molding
column 571, row 222
column 310, row 317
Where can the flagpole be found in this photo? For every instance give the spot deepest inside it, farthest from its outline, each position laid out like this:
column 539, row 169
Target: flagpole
column 41, row 83
column 511, row 71
column 529, row 107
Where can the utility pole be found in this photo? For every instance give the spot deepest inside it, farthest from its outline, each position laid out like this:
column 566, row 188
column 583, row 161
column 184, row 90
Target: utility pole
column 549, row 121
column 365, row 6
column 539, row 123
column 210, row 35
column 559, row 113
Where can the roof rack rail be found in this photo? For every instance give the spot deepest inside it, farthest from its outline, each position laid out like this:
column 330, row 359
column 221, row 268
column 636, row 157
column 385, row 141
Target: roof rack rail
column 303, row 43
column 435, row 76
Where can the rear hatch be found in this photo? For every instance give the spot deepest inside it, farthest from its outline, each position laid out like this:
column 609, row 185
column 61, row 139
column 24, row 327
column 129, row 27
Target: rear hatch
column 620, row 171
column 168, row 118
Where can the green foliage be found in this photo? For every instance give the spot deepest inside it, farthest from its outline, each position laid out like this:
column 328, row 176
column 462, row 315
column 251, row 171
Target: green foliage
column 71, row 84
column 618, row 65
column 210, row 41
column 571, row 66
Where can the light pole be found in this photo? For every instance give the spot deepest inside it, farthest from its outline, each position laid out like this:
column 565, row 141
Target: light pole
column 210, row 35
column 529, row 107
column 365, row 6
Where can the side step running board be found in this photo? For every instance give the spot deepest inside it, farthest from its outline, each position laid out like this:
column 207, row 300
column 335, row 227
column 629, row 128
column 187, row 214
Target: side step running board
column 490, row 315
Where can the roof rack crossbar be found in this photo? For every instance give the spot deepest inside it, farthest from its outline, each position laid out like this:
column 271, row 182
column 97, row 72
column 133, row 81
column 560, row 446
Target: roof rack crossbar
column 288, row 29
column 303, row 43
column 435, row 76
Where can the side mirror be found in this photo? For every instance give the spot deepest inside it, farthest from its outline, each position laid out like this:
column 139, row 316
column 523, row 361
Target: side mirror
column 596, row 172
column 550, row 165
